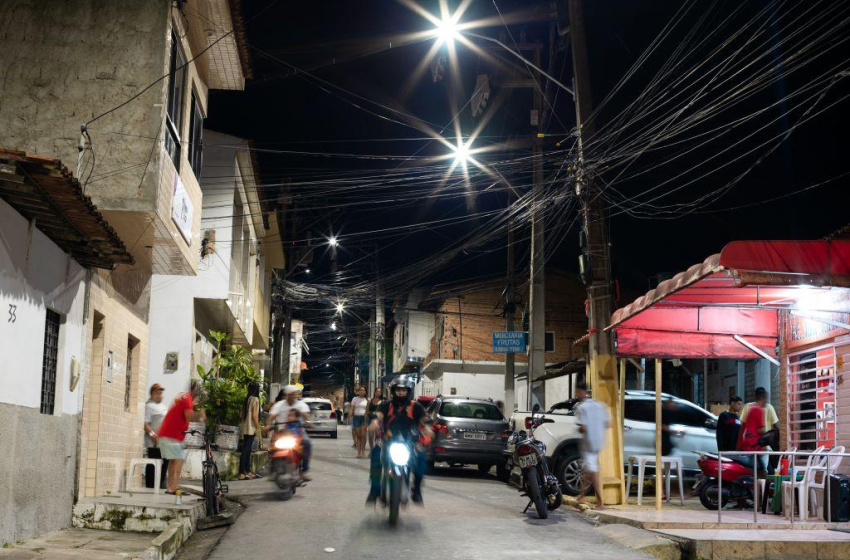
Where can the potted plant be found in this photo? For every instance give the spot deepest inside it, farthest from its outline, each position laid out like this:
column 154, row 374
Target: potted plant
column 225, row 388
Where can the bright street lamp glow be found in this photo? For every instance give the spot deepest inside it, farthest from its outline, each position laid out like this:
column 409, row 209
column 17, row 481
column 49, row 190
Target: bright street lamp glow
column 447, row 30
column 461, row 154
column 340, row 307
column 333, row 326
column 332, row 242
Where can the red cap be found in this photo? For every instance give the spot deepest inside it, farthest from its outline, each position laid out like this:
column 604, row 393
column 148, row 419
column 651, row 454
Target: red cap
column 157, row 387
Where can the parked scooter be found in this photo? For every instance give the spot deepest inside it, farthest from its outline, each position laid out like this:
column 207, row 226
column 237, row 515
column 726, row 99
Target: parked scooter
column 529, row 471
column 737, row 481
column 286, row 453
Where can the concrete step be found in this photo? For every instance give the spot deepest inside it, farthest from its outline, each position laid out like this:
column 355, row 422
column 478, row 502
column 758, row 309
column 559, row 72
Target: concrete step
column 758, row 544
column 141, row 512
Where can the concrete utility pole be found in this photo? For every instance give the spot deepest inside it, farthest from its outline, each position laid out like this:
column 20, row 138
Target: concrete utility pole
column 510, row 310
column 537, row 293
column 379, row 340
column 603, row 366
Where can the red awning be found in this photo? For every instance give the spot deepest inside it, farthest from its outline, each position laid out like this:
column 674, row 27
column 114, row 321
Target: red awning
column 727, row 306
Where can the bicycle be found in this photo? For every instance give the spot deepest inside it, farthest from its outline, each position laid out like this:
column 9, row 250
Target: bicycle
column 214, row 490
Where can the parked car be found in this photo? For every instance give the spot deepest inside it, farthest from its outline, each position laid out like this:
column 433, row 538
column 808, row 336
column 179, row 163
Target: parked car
column 468, row 431
column 694, row 430
column 322, row 417
column 425, row 401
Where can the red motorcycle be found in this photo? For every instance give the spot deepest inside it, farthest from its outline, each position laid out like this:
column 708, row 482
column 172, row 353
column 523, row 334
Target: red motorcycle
column 737, row 480
column 286, row 453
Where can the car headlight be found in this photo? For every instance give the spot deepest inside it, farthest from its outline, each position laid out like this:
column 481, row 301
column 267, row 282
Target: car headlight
column 400, row 454
column 286, row 442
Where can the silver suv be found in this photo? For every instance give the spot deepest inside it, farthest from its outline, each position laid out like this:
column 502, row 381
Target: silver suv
column 468, row 431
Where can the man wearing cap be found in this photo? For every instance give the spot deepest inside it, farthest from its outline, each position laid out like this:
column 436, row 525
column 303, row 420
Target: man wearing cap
column 279, row 413
column 155, row 411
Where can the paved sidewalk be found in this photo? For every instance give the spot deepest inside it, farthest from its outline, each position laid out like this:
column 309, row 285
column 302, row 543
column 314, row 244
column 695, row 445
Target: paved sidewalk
column 84, row 544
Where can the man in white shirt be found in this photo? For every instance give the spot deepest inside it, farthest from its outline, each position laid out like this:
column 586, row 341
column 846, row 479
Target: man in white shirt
column 279, row 413
column 593, row 420
column 155, row 411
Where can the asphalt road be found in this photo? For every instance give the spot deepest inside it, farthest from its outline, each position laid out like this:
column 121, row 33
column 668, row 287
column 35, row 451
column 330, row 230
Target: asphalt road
column 466, row 516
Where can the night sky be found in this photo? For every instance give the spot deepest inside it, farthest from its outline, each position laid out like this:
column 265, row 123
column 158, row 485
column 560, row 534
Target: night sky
column 344, row 47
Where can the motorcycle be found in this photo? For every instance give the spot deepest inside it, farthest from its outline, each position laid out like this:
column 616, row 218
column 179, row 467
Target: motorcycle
column 737, row 481
column 395, row 476
column 285, row 455
column 530, row 471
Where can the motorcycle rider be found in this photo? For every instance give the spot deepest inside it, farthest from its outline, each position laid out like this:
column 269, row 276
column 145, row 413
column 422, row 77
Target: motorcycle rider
column 403, row 415
column 279, row 414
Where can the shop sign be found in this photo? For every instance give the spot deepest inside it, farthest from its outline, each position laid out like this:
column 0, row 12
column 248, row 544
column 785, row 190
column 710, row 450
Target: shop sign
column 801, row 330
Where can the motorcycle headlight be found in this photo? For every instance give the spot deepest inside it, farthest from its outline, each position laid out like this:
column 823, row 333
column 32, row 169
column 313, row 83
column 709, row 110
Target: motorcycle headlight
column 400, row 454
column 542, row 448
column 286, row 442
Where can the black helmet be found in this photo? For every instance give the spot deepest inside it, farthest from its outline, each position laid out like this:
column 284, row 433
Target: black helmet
column 402, row 381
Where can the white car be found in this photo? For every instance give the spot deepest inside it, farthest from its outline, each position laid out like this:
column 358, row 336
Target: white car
column 694, row 430
column 322, row 417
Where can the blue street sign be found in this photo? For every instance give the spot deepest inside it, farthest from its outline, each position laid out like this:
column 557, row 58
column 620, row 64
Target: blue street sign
column 509, row 342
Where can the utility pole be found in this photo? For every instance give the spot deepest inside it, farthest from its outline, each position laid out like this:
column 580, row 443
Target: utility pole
column 603, row 367
column 537, row 294
column 510, row 310
column 379, row 340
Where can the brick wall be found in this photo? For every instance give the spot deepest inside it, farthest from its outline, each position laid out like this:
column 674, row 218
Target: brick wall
column 465, row 324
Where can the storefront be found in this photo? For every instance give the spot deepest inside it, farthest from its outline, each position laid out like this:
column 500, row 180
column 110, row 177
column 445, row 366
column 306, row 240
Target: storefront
column 787, row 302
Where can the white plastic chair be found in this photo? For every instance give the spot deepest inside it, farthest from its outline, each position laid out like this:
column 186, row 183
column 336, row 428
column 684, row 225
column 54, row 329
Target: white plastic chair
column 833, row 459
column 144, row 462
column 668, row 464
column 801, row 486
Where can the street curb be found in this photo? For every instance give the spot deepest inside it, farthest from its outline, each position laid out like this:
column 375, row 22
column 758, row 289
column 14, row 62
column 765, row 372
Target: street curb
column 166, row 545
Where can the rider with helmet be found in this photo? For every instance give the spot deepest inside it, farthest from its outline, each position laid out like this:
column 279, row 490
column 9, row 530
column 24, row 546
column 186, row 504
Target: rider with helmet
column 400, row 415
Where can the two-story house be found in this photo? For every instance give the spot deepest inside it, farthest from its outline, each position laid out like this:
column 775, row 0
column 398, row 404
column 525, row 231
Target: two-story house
column 231, row 293
column 134, row 78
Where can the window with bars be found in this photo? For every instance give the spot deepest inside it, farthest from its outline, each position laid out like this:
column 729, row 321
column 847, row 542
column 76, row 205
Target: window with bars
column 48, row 367
column 196, row 137
column 811, row 398
column 174, row 109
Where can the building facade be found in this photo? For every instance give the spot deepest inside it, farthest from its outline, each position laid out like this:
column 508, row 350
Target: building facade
column 134, row 77
column 231, row 293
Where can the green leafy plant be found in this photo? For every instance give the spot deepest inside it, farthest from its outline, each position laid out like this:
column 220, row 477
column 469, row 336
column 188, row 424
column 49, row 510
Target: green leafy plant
column 226, row 382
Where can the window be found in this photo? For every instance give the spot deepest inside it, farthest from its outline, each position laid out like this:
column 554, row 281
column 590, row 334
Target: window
column 640, row 410
column 48, row 365
column 196, row 137
column 480, row 411
column 174, row 109
column 550, row 341
column 319, row 405
column 685, row 415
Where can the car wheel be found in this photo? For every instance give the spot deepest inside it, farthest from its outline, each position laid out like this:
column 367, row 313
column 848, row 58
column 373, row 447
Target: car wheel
column 570, row 472
column 484, row 468
column 332, row 434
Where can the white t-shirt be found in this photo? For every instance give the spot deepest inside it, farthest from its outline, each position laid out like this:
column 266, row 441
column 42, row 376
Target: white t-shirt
column 359, row 404
column 595, row 418
column 154, row 413
column 280, row 410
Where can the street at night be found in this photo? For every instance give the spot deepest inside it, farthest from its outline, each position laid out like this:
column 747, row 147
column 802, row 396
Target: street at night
column 461, row 279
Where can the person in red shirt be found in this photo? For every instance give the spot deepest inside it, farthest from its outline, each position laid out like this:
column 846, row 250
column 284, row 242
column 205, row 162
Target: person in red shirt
column 170, row 436
column 753, row 428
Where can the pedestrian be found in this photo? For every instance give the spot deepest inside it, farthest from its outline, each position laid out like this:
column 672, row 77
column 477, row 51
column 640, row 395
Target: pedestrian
column 155, row 411
column 374, row 403
column 249, row 426
column 359, row 405
column 501, row 406
column 728, row 425
column 171, row 433
column 593, row 420
column 754, row 426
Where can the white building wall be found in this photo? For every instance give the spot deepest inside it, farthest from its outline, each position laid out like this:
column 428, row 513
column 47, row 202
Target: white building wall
column 485, row 385
column 36, row 275
column 420, row 332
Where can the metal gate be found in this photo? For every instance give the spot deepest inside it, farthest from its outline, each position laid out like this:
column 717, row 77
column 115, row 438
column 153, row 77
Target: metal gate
column 811, row 397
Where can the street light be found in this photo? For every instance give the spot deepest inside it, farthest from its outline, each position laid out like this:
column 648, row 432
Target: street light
column 462, row 155
column 340, row 307
column 332, row 241
column 447, row 30
column 333, row 326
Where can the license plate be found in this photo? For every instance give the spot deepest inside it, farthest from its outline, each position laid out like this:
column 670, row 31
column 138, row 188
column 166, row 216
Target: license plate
column 525, row 461
column 473, row 435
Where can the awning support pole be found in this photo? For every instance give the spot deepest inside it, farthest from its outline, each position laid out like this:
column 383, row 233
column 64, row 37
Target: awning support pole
column 659, row 468
column 756, row 349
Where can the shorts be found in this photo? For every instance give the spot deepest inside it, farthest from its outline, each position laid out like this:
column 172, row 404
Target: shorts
column 171, row 449
column 358, row 421
column 590, row 461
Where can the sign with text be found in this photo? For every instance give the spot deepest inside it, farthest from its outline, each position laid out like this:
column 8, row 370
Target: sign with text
column 508, row 342
column 182, row 210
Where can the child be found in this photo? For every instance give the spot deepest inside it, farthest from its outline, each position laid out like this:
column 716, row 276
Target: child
column 293, row 423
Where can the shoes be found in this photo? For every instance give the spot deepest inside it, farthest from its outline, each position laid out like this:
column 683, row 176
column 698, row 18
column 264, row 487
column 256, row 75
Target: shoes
column 305, row 477
column 416, row 496
column 372, row 499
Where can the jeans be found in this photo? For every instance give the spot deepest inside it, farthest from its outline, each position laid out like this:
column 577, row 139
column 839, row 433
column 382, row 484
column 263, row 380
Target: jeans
column 245, row 458
column 153, row 453
column 419, row 465
column 747, row 461
column 307, row 447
